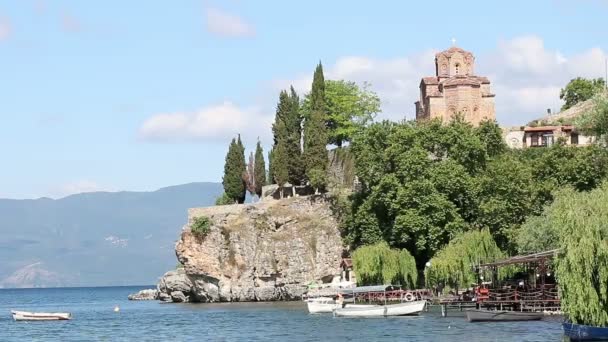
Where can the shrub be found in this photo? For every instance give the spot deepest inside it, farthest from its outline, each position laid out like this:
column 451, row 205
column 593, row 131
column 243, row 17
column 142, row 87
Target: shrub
column 224, row 200
column 201, row 226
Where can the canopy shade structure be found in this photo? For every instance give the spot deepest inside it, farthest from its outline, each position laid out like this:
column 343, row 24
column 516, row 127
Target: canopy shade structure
column 375, row 288
column 523, row 259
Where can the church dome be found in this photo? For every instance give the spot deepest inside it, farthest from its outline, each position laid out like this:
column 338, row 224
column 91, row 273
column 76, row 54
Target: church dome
column 454, row 61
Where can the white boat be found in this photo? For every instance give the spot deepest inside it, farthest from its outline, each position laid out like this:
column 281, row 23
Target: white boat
column 328, row 305
column 321, row 305
column 40, row 316
column 400, row 309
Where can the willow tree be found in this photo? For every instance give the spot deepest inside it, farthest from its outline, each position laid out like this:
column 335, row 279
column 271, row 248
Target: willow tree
column 454, row 265
column 582, row 264
column 379, row 264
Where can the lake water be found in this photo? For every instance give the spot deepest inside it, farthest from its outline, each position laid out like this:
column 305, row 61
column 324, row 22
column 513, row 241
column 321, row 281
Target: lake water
column 95, row 320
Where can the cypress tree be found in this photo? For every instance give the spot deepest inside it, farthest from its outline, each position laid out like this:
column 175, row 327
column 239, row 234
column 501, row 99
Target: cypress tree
column 315, row 132
column 241, row 168
column 270, row 178
column 280, row 160
column 280, row 170
column 234, row 187
column 293, row 123
column 259, row 169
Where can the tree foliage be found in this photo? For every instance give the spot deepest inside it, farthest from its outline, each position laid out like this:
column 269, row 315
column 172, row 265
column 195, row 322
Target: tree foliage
column 315, row 131
column 224, row 199
column 455, row 264
column 259, row 169
column 582, row 264
column 425, row 182
column 579, row 90
column 348, row 108
column 595, row 121
column 234, row 169
column 379, row 264
column 287, row 131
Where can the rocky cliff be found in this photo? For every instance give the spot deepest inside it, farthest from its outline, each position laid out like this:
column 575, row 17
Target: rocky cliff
column 256, row 252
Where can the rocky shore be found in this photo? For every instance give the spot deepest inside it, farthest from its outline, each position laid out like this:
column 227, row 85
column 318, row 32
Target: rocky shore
column 265, row 251
column 148, row 294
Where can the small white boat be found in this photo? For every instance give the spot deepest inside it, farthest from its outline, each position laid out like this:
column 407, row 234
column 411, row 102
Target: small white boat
column 400, row 309
column 40, row 316
column 321, row 305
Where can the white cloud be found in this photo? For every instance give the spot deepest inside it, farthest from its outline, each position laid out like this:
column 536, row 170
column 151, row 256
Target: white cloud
column 77, row 187
column 396, row 80
column 526, row 77
column 5, row 28
column 213, row 123
column 227, row 25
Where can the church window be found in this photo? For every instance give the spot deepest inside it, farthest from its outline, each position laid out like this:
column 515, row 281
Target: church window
column 457, row 67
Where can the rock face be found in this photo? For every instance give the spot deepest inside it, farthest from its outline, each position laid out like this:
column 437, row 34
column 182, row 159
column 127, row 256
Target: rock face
column 264, row 251
column 148, row 294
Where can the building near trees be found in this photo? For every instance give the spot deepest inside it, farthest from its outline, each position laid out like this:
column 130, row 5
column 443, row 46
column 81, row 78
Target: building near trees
column 455, row 89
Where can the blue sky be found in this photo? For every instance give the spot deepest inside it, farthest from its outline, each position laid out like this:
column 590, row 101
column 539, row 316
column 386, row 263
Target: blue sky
column 136, row 95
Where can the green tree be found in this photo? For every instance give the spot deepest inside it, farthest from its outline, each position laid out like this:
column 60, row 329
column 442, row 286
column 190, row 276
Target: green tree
column 506, row 196
column 280, row 170
column 454, row 265
column 224, row 199
column 259, row 169
column 582, row 263
column 280, row 161
column 293, row 144
column 348, row 107
column 595, row 121
column 579, row 90
column 490, row 134
column 379, row 264
column 270, row 178
column 234, row 171
column 315, row 131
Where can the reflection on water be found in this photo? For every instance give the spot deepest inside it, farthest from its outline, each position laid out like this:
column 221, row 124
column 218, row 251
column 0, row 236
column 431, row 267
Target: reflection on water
column 95, row 319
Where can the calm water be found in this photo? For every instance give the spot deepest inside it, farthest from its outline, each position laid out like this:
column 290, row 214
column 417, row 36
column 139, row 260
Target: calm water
column 95, row 320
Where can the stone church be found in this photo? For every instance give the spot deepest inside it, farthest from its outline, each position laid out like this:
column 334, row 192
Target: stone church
column 455, row 89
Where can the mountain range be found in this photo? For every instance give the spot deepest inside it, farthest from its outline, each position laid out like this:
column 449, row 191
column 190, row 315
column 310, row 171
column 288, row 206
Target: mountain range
column 97, row 238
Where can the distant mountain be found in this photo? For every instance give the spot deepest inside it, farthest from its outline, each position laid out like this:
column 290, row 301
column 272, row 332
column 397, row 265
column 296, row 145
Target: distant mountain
column 98, row 238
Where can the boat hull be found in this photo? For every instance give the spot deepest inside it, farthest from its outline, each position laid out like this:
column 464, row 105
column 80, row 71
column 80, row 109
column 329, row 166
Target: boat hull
column 401, row 309
column 501, row 316
column 579, row 332
column 40, row 316
column 329, row 307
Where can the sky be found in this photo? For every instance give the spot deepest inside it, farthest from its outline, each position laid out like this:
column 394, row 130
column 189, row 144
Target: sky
column 137, row 95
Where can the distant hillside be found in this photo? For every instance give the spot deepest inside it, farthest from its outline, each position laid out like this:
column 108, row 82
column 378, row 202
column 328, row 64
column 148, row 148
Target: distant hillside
column 99, row 238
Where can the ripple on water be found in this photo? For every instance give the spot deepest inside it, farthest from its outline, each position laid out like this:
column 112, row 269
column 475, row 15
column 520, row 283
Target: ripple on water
column 95, row 320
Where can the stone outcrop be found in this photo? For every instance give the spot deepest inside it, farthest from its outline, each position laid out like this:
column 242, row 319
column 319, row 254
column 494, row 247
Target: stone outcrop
column 148, row 294
column 265, row 251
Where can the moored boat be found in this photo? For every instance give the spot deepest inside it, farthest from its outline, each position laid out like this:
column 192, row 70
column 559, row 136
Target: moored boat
column 328, row 305
column 501, row 316
column 321, row 305
column 400, row 309
column 40, row 316
column 579, row 332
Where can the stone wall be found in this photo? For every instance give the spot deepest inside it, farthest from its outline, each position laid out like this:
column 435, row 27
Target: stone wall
column 265, row 251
